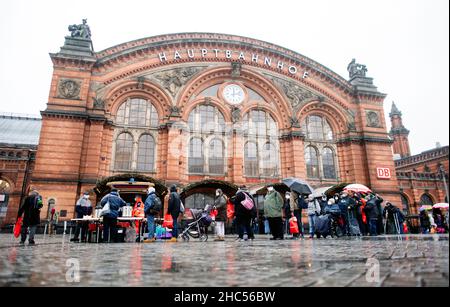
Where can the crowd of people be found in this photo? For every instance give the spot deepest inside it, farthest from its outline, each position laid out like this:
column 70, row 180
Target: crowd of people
column 358, row 214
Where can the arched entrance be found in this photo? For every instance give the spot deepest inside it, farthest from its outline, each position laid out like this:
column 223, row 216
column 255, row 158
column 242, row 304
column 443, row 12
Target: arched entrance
column 198, row 194
column 5, row 189
column 131, row 186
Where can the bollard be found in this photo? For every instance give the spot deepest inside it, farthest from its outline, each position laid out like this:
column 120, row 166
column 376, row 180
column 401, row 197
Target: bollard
column 65, row 226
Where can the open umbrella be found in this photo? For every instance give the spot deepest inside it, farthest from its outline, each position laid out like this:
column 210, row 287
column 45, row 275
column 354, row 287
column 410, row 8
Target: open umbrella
column 319, row 191
column 441, row 205
column 425, row 207
column 337, row 188
column 358, row 188
column 298, row 185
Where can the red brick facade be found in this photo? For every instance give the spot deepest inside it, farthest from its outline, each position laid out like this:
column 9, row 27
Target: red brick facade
column 79, row 129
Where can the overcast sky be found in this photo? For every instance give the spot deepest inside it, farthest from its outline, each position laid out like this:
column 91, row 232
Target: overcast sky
column 404, row 43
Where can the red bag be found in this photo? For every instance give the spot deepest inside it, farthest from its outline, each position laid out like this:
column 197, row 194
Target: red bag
column 214, row 214
column 230, row 210
column 293, row 225
column 18, row 227
column 168, row 221
column 405, row 228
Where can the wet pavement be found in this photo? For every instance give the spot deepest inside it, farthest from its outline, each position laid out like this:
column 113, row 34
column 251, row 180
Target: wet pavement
column 411, row 260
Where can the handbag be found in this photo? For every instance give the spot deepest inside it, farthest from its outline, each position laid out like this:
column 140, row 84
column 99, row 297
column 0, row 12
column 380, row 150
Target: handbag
column 18, row 227
column 105, row 210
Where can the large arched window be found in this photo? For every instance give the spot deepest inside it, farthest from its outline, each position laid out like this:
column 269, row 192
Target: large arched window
column 137, row 112
column 251, row 159
column 320, row 148
column 146, row 153
column 124, row 151
column 261, row 155
column 206, row 123
column 405, row 204
column 5, row 189
column 312, row 162
column 196, row 160
column 329, row 169
column 426, row 199
column 216, row 157
column 136, row 119
column 317, row 128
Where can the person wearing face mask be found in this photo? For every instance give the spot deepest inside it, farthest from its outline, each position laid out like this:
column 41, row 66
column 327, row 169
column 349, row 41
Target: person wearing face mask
column 83, row 207
column 273, row 210
column 344, row 204
column 287, row 211
column 220, row 204
column 313, row 211
column 323, row 203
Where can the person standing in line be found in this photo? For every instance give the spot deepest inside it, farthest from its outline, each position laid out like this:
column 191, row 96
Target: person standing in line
column 287, row 212
column 244, row 215
column 174, row 209
column 31, row 211
column 220, row 204
column 273, row 209
column 313, row 213
column 296, row 202
column 110, row 215
column 82, row 208
column 151, row 208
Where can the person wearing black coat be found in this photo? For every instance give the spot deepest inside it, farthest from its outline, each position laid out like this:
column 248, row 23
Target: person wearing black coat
column 243, row 215
column 31, row 211
column 82, row 208
column 220, row 204
column 174, row 209
column 372, row 214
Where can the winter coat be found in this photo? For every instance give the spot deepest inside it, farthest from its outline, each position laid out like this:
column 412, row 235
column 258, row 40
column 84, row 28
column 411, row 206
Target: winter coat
column 149, row 202
column 424, row 220
column 273, row 204
column 115, row 203
column 344, row 203
column 83, row 207
column 31, row 210
column 371, row 209
column 293, row 201
column 313, row 207
column 332, row 209
column 221, row 206
column 239, row 210
column 174, row 207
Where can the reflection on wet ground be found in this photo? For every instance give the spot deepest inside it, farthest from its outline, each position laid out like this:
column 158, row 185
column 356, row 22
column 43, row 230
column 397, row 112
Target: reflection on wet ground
column 411, row 260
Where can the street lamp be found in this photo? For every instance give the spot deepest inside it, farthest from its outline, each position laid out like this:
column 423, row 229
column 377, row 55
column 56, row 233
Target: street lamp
column 442, row 171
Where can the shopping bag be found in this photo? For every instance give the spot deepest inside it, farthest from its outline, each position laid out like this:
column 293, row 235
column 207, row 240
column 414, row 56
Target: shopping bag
column 293, row 225
column 213, row 214
column 18, row 227
column 230, row 210
column 405, row 228
column 168, row 221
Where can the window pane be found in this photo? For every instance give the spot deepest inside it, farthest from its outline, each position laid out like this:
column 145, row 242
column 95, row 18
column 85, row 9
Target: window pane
column 137, row 112
column 328, row 133
column 206, row 119
column 269, row 160
column 426, row 200
column 315, row 128
column 312, row 162
column 216, row 164
column 251, row 160
column 329, row 170
column 196, row 161
column 124, row 151
column 146, row 153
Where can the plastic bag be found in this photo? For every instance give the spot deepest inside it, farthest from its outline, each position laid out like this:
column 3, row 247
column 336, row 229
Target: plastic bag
column 168, row 221
column 18, row 227
column 230, row 210
column 293, row 225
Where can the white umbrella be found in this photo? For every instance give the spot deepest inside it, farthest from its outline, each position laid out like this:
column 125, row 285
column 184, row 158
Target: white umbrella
column 358, row 188
column 319, row 191
column 441, row 205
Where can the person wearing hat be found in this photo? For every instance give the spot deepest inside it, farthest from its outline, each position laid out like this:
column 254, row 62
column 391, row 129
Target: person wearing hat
column 273, row 210
column 110, row 216
column 174, row 209
column 82, row 208
column 31, row 210
column 150, row 214
column 243, row 215
column 313, row 212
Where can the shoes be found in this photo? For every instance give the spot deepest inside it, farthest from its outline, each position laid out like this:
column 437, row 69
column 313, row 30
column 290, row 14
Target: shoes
column 22, row 242
column 172, row 240
column 152, row 240
column 31, row 242
column 218, row 239
column 273, row 239
column 74, row 240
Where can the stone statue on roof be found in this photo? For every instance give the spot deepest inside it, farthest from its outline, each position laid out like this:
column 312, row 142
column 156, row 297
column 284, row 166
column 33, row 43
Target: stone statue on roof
column 81, row 30
column 356, row 70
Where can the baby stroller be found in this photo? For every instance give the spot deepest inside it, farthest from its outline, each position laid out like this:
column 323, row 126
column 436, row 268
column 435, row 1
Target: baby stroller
column 197, row 228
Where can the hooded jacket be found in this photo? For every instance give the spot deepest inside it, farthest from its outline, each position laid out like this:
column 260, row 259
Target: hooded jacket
column 221, row 205
column 115, row 203
column 30, row 209
column 83, row 207
column 174, row 207
column 273, row 204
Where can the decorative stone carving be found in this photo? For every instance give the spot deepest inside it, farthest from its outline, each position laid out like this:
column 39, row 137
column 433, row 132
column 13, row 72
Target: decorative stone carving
column 297, row 95
column 81, row 31
column 175, row 111
column 99, row 103
column 236, row 69
column 235, row 114
column 69, row 89
column 356, row 70
column 351, row 120
column 140, row 81
column 173, row 80
column 294, row 122
column 373, row 119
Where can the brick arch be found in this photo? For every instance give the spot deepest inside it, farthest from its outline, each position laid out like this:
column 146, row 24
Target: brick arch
column 9, row 181
column 334, row 116
column 132, row 88
column 253, row 80
column 431, row 196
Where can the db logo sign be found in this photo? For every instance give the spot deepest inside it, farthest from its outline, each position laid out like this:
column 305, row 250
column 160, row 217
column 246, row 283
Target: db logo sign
column 383, row 173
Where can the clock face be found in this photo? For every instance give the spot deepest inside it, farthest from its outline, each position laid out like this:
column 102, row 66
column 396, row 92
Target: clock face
column 233, row 94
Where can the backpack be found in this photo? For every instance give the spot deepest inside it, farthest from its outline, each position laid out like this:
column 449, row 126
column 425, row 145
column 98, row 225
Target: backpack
column 156, row 208
column 38, row 204
column 247, row 203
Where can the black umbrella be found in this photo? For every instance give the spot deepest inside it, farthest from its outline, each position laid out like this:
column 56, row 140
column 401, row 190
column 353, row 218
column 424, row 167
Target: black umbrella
column 298, row 185
column 337, row 188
